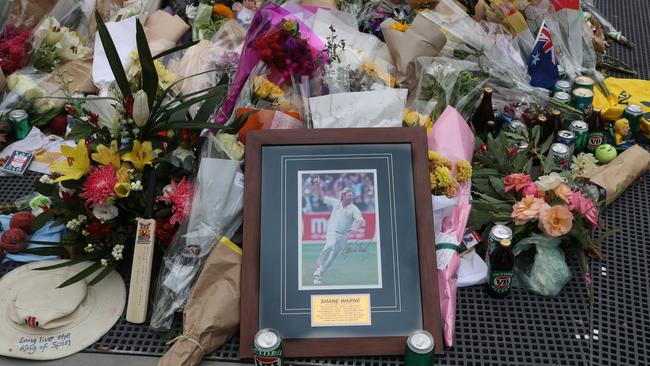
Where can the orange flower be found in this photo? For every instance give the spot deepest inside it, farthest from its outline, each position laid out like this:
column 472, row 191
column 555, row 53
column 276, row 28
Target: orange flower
column 527, row 209
column 223, row 11
column 563, row 192
column 516, row 182
column 555, row 220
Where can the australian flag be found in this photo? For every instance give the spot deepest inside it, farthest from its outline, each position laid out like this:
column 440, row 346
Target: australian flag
column 542, row 64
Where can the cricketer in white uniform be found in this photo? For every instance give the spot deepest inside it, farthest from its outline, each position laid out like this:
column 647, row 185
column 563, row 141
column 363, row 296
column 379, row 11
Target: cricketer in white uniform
column 346, row 217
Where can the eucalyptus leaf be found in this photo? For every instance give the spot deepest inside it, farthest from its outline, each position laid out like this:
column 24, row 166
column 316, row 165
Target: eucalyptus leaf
column 149, row 73
column 42, row 219
column 105, row 272
column 536, row 135
column 80, row 130
column 81, row 275
column 211, row 104
column 113, row 57
column 547, row 144
column 176, row 49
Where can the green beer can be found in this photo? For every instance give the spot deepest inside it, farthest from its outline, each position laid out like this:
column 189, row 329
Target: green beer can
column 419, row 349
column 633, row 114
column 563, row 86
column 21, row 123
column 267, row 348
column 581, row 129
column 583, row 100
column 583, row 82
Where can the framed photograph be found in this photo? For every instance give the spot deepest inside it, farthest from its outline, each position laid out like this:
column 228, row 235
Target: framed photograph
column 339, row 254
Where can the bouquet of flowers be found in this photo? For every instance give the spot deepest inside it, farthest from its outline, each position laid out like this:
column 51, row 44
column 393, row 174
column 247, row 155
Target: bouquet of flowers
column 141, row 140
column 55, row 44
column 445, row 177
column 553, row 209
column 206, row 19
column 14, row 49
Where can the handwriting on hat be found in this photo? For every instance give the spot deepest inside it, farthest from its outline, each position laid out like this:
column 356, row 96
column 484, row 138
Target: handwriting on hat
column 31, row 345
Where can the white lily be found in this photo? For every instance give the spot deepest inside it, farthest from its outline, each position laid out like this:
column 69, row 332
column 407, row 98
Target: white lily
column 107, row 115
column 70, row 47
column 48, row 33
column 140, row 108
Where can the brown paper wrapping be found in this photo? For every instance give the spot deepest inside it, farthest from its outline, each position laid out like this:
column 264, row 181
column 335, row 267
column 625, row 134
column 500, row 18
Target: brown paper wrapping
column 164, row 31
column 616, row 176
column 27, row 14
column 106, row 9
column 79, row 72
column 422, row 38
column 327, row 4
column 211, row 314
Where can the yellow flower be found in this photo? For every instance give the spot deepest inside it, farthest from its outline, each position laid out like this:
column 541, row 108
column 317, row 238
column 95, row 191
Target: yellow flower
column 122, row 173
column 433, row 181
column 140, row 155
column 223, row 11
column 444, row 177
column 276, row 92
column 426, row 122
column 400, row 26
column 122, row 189
column 463, row 171
column 410, row 117
column 105, row 155
column 451, row 190
column 434, row 155
column 76, row 164
column 263, row 91
column 369, row 68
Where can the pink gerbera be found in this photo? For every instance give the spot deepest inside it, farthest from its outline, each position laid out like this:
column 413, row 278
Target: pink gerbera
column 179, row 195
column 100, row 186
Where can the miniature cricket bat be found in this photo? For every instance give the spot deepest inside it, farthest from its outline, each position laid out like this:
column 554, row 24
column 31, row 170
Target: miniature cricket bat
column 145, row 237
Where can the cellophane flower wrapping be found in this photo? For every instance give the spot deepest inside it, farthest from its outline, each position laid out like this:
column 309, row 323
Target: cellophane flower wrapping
column 452, row 138
column 265, row 25
column 446, row 82
column 27, row 89
column 540, row 265
column 220, row 53
column 216, row 211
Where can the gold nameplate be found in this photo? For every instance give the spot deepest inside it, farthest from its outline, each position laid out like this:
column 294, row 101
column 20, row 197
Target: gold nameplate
column 340, row 310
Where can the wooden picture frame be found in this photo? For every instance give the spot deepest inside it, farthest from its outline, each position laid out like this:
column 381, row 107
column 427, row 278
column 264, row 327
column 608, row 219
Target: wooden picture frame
column 415, row 140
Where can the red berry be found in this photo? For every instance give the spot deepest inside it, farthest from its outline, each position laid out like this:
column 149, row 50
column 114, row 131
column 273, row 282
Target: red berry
column 12, row 240
column 22, row 220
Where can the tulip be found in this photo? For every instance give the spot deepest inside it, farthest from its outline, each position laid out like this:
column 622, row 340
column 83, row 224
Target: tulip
column 140, row 108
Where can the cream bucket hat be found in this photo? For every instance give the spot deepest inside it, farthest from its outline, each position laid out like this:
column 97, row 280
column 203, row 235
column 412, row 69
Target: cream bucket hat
column 39, row 321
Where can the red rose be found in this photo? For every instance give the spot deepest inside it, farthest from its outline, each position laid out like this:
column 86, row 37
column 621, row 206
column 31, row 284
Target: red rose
column 12, row 240
column 97, row 230
column 22, row 220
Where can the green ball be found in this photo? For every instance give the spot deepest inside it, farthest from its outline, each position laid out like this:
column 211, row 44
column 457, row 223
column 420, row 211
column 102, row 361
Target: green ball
column 605, row 153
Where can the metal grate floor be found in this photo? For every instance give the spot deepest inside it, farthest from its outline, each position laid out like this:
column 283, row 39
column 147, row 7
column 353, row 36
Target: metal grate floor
column 524, row 329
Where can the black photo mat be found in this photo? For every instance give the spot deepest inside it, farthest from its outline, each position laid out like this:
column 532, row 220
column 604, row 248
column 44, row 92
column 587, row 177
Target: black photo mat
column 396, row 307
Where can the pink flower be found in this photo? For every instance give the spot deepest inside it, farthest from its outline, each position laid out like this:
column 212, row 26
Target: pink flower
column 555, row 220
column 516, row 182
column 530, row 189
column 100, row 186
column 527, row 209
column 563, row 192
column 584, row 206
column 179, row 195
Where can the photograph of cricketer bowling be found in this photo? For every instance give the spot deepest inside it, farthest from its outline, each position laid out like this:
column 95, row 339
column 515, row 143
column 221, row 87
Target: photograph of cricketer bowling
column 338, row 232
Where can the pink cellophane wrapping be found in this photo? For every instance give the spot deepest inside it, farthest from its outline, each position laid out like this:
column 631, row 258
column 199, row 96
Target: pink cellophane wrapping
column 265, row 19
column 452, row 138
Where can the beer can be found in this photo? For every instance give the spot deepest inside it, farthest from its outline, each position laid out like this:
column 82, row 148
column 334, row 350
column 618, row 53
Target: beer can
column 583, row 82
column 562, row 97
column 581, row 130
column 561, row 155
column 633, row 114
column 517, row 124
column 497, row 233
column 419, row 349
column 594, row 140
column 583, row 100
column 267, row 348
column 522, row 145
column 21, row 123
column 566, row 137
column 563, row 86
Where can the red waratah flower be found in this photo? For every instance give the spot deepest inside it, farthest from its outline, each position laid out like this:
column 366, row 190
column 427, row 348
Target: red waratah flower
column 165, row 231
column 179, row 195
column 97, row 230
column 100, row 186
